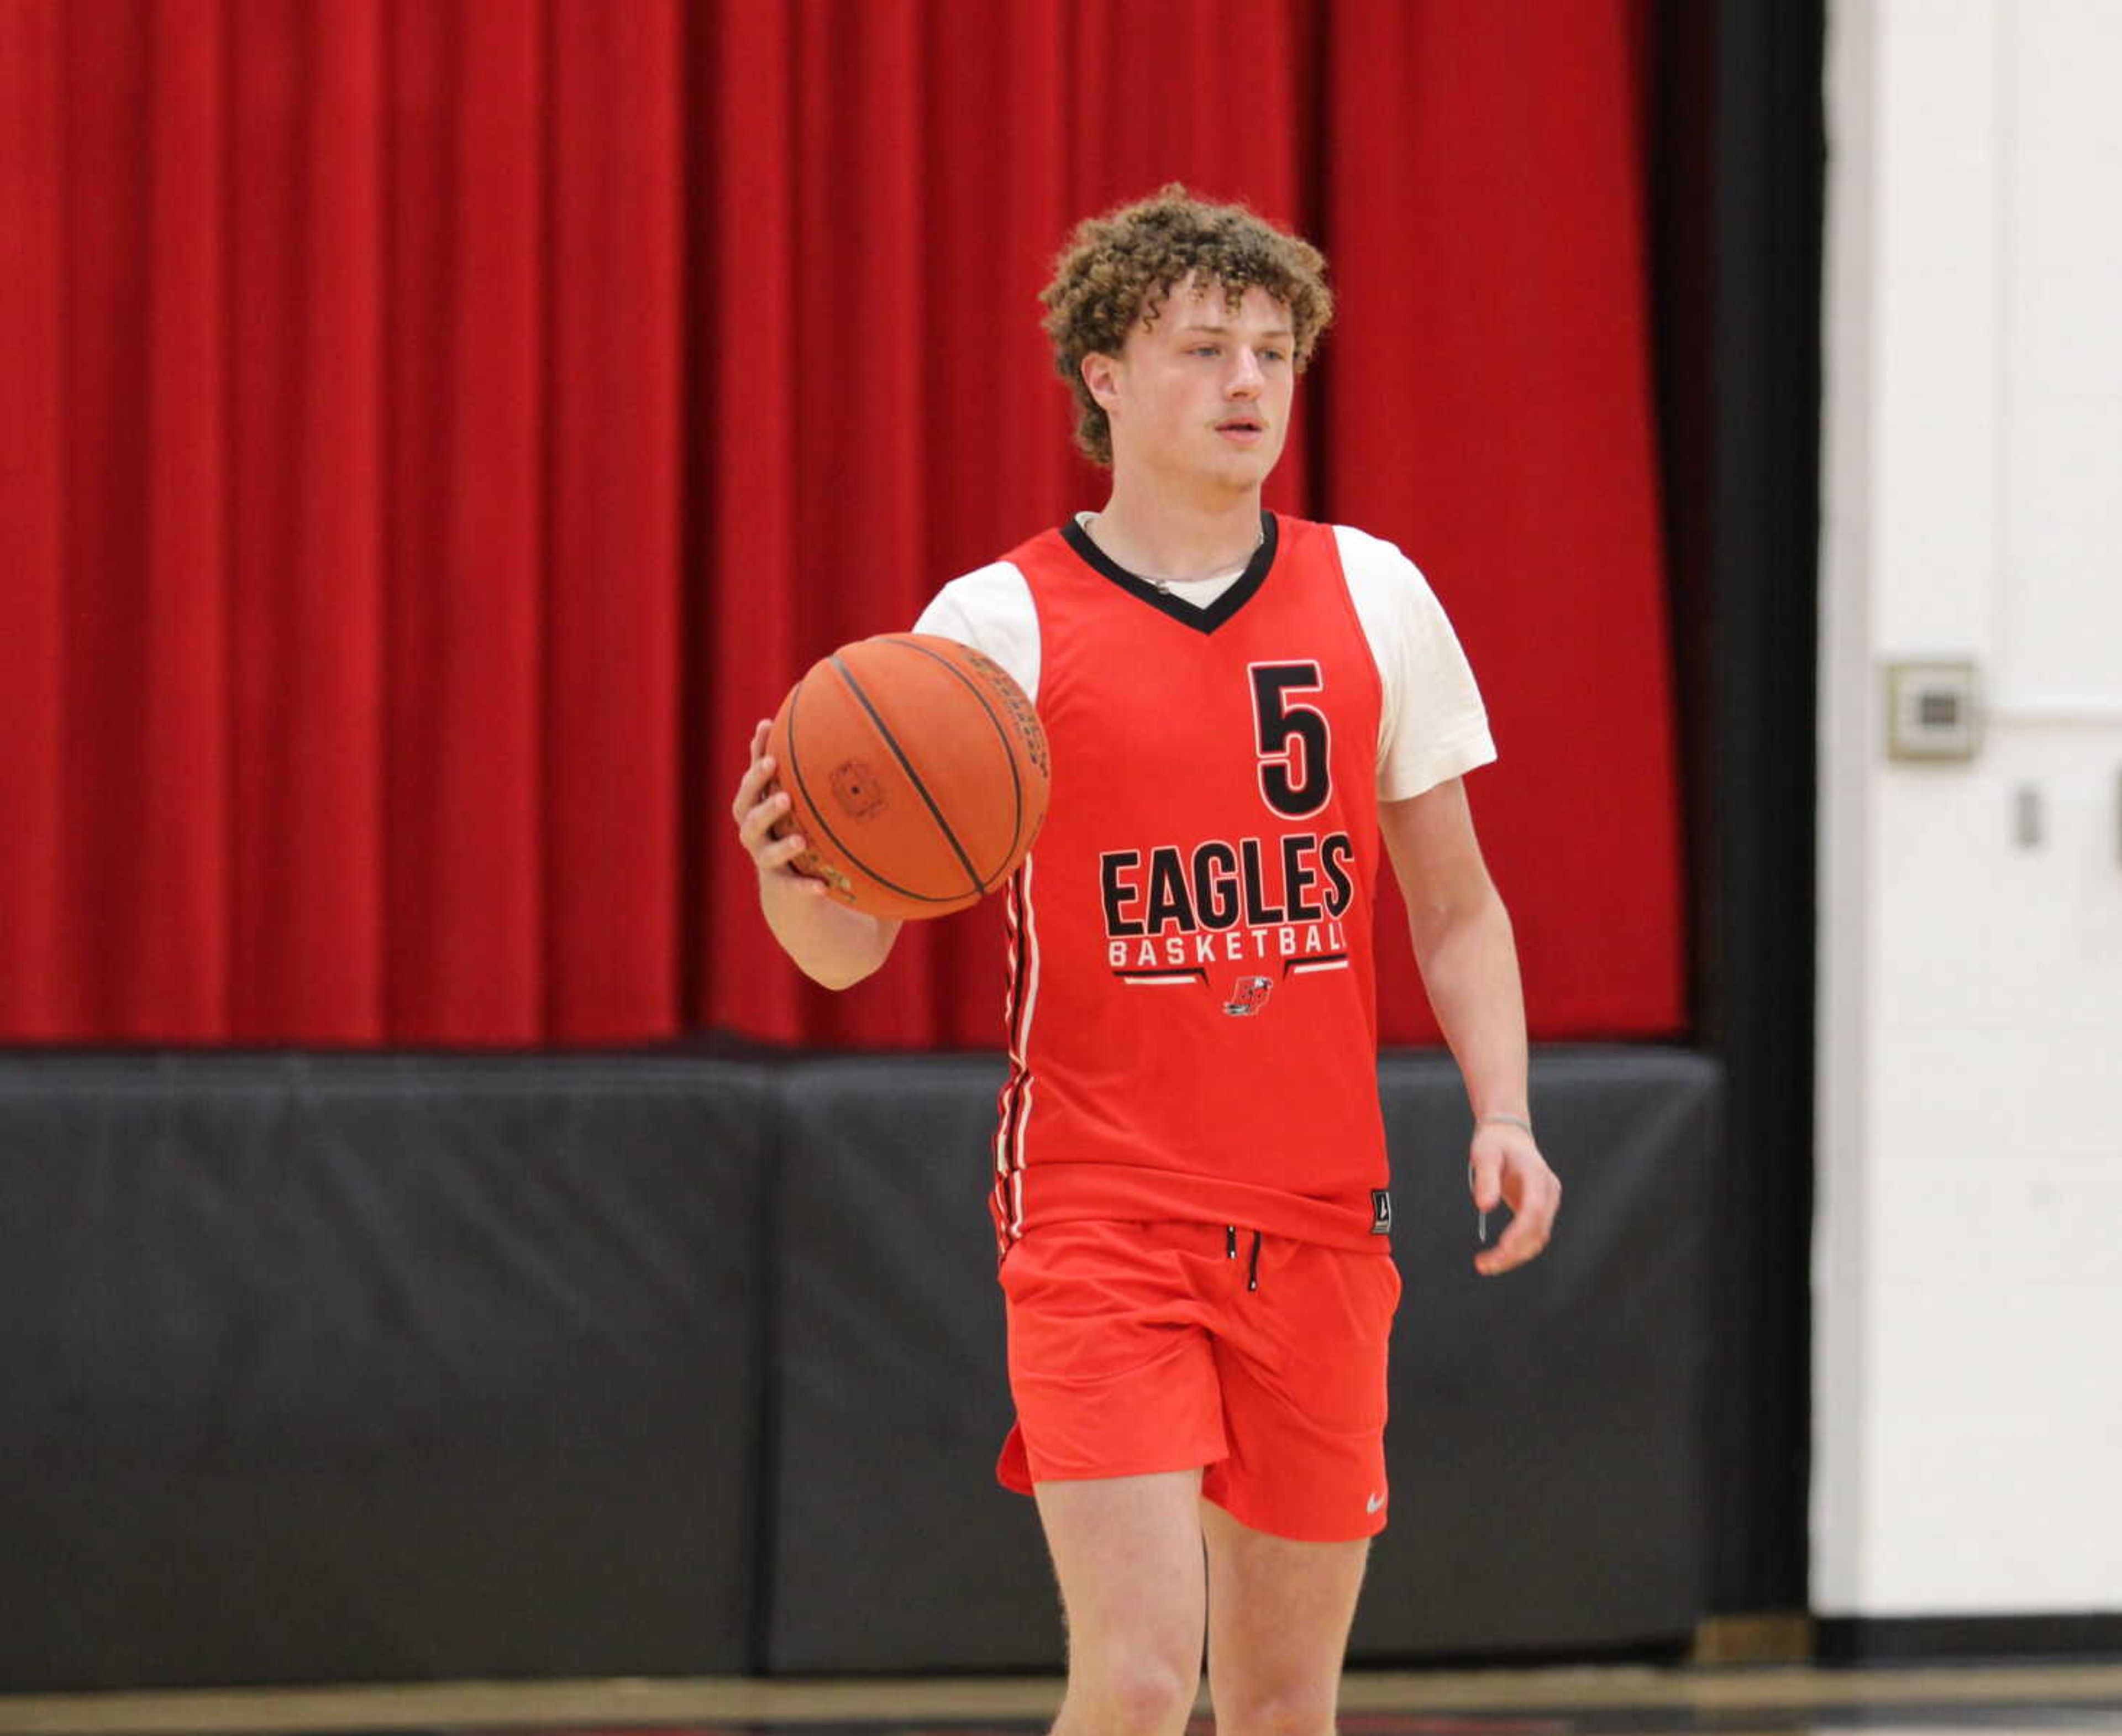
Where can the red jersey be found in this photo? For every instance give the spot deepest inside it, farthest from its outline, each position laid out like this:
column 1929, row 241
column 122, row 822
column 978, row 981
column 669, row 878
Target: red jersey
column 1192, row 1024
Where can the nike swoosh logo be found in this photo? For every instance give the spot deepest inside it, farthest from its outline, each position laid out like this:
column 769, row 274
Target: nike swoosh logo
column 1375, row 1502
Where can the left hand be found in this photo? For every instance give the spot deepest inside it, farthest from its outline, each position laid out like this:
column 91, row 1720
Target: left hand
column 1504, row 1168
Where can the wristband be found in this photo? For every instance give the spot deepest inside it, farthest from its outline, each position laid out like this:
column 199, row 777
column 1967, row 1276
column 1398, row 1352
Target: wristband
column 1515, row 1121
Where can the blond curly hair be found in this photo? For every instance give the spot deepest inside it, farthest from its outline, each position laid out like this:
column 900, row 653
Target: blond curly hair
column 1117, row 269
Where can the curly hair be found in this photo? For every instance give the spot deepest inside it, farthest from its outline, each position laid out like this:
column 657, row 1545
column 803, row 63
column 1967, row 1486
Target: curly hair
column 1119, row 268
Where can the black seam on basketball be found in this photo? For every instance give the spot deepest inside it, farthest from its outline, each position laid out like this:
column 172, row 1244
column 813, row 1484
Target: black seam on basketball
column 1002, row 731
column 912, row 777
column 818, row 813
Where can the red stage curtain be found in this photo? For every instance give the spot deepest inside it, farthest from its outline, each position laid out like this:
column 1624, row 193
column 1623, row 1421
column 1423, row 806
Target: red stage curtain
column 434, row 434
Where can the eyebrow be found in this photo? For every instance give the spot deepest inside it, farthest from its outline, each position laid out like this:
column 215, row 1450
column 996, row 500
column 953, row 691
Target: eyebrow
column 1224, row 331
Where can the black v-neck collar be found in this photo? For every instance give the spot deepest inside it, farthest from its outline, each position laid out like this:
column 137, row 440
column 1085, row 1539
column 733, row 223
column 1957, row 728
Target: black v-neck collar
column 1204, row 620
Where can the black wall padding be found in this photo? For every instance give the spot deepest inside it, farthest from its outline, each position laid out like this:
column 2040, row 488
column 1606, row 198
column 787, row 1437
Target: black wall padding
column 893, row 1546
column 329, row 1370
column 1545, row 1438
column 1544, row 1450
column 322, row 1370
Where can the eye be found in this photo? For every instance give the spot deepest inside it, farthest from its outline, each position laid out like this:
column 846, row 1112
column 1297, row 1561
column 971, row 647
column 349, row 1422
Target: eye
column 1205, row 350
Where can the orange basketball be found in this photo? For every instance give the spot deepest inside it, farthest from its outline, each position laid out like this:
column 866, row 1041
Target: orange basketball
column 916, row 772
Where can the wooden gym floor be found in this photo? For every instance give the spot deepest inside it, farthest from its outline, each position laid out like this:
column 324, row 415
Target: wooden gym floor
column 1621, row 1701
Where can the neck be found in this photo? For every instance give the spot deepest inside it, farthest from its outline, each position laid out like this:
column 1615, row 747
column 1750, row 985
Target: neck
column 1159, row 537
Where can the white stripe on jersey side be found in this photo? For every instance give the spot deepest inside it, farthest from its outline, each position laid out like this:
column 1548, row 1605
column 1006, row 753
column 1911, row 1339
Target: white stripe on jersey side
column 1187, row 982
column 1023, row 1046
column 1007, row 1105
column 1337, row 964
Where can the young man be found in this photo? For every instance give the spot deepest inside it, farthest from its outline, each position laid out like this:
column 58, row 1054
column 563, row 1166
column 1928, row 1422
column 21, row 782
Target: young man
column 1191, row 1172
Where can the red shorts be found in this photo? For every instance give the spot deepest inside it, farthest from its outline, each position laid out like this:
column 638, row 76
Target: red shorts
column 1144, row 1347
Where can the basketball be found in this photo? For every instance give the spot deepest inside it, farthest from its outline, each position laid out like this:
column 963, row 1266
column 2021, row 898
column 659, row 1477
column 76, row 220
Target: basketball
column 916, row 772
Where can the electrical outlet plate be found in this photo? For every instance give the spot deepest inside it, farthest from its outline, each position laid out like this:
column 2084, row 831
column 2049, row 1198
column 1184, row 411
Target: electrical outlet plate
column 1933, row 709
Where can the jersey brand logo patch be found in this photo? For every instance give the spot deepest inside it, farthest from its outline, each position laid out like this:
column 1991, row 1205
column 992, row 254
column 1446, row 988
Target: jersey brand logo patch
column 1380, row 1212
column 1248, row 995
column 1374, row 1503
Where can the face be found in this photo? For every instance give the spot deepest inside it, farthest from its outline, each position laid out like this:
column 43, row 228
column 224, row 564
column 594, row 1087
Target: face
column 1202, row 396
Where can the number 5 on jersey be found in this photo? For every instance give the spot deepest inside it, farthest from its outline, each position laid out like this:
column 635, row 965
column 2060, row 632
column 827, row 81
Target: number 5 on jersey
column 1293, row 738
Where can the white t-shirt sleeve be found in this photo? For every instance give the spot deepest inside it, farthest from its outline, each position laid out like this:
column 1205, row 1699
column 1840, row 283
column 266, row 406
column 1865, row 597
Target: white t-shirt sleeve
column 991, row 609
column 1433, row 725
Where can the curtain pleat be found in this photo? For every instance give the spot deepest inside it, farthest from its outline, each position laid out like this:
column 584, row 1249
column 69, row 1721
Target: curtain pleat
column 143, row 663
column 748, row 636
column 306, row 534
column 39, row 997
column 613, row 346
column 436, row 434
column 464, row 905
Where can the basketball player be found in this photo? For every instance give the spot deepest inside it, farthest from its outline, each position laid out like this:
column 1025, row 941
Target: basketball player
column 1190, row 1178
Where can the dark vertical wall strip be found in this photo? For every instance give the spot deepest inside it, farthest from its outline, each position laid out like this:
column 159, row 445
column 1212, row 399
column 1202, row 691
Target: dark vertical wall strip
column 1752, row 626
column 1680, row 185
column 1678, row 175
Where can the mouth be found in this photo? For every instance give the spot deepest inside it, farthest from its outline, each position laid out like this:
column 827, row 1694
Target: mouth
column 1243, row 430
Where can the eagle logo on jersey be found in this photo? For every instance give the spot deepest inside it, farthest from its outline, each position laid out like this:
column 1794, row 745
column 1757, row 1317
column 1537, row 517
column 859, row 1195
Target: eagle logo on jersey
column 1248, row 995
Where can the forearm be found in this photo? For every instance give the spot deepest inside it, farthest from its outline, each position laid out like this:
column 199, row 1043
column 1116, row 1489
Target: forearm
column 1469, row 967
column 830, row 944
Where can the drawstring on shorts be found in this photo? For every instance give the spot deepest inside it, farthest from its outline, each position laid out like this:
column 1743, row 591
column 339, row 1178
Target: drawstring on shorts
column 1231, row 1252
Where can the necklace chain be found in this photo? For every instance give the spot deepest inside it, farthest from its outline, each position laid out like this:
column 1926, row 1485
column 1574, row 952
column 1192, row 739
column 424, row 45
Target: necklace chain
column 1165, row 585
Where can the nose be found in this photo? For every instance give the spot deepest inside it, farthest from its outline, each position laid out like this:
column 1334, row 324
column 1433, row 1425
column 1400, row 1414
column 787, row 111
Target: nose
column 1246, row 379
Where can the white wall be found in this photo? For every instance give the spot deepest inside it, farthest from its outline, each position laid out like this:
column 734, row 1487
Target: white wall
column 1968, row 1266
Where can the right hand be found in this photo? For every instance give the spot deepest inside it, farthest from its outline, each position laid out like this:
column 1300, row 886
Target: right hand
column 759, row 806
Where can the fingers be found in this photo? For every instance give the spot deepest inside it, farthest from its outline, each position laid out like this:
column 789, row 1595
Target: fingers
column 1485, row 1178
column 1522, row 1241
column 777, row 856
column 755, row 831
column 1512, row 1171
column 758, row 808
column 756, row 776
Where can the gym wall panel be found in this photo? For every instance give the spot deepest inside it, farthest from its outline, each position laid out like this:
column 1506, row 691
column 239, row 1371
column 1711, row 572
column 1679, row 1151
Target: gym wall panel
column 1545, row 1443
column 892, row 1546
column 345, row 1369
column 326, row 1370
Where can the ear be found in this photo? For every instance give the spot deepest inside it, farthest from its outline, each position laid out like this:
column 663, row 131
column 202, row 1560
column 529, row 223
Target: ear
column 1100, row 375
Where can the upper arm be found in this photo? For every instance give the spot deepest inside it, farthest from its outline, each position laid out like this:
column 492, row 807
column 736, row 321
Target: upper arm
column 1432, row 724
column 991, row 611
column 1435, row 856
